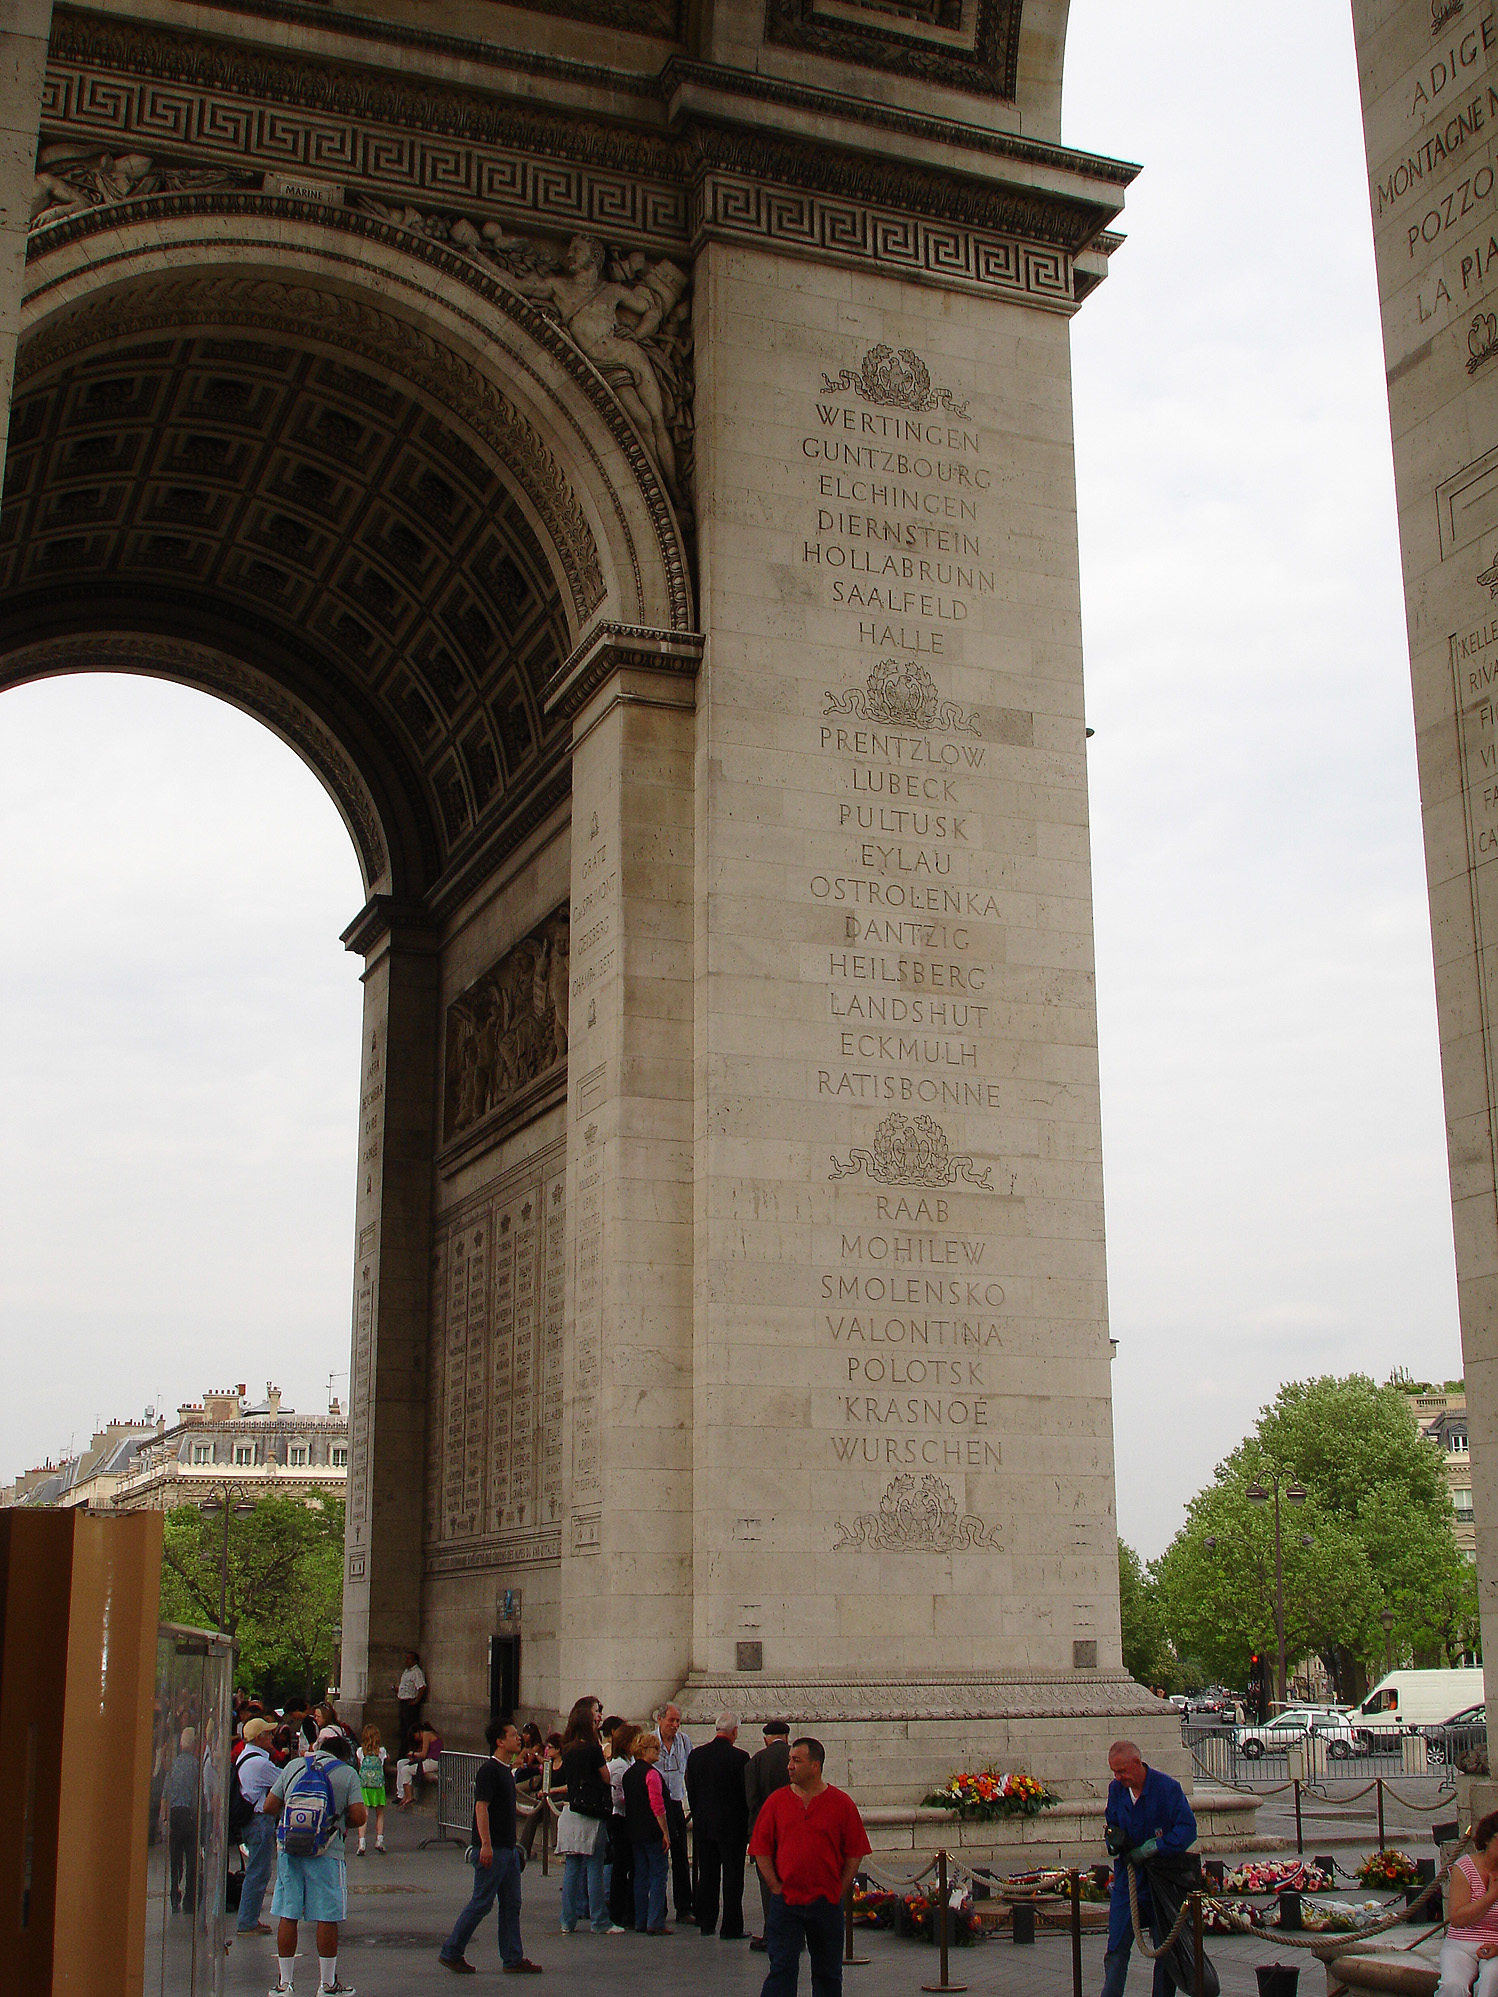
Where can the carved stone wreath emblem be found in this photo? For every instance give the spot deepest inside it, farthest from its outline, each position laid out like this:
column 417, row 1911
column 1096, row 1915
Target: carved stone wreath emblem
column 895, row 380
column 911, row 1151
column 903, row 694
column 916, row 1517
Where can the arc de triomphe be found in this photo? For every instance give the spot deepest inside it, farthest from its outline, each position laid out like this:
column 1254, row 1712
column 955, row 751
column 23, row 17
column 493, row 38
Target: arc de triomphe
column 624, row 447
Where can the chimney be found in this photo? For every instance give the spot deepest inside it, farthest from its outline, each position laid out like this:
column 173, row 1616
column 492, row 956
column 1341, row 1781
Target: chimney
column 273, row 1398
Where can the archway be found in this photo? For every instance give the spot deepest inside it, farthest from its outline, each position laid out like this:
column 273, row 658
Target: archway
column 361, row 487
column 179, row 1029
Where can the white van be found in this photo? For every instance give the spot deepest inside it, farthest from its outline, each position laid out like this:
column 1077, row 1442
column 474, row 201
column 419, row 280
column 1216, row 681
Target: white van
column 1405, row 1699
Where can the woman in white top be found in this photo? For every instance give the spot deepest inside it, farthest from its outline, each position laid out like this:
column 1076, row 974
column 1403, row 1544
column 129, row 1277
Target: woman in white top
column 620, row 1870
column 1470, row 1949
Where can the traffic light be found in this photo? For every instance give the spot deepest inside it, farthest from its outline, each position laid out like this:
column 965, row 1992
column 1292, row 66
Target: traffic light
column 1258, row 1690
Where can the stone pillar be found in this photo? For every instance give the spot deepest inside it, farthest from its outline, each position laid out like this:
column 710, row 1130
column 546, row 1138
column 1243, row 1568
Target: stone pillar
column 387, row 1371
column 23, row 62
column 903, row 1437
column 624, row 1620
column 1429, row 91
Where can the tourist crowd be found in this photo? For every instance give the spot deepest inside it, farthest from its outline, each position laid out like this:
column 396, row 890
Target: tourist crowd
column 621, row 1796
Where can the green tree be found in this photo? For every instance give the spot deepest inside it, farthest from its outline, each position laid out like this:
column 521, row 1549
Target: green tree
column 284, row 1590
column 1146, row 1647
column 1378, row 1520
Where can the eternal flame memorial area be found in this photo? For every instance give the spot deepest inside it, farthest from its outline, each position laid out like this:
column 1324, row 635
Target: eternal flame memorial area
column 625, row 449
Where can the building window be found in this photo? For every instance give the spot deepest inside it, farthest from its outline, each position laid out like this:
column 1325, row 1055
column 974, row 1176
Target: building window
column 1462, row 1500
column 244, row 1453
column 296, row 1456
column 338, row 1456
column 202, row 1452
column 1457, row 1441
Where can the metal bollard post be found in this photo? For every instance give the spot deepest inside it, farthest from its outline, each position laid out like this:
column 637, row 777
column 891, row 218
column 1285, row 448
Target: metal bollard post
column 1076, row 1934
column 545, row 1834
column 1300, row 1842
column 941, row 1894
column 848, row 1955
column 1199, row 1977
column 1379, row 1785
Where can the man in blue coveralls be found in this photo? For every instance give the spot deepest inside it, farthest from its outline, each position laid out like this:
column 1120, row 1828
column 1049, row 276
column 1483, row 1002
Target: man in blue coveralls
column 1147, row 1812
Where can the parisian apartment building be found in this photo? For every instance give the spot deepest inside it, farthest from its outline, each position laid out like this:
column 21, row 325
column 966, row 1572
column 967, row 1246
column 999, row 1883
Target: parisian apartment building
column 1441, row 1412
column 258, row 1448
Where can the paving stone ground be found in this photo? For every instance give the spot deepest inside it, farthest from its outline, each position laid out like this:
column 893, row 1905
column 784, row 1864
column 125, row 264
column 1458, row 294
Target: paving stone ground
column 402, row 1906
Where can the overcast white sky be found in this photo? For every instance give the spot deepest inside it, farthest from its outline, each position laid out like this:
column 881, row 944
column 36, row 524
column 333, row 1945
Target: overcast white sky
column 178, row 1021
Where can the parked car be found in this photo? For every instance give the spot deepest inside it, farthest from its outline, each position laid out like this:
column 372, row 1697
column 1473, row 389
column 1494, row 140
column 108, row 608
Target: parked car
column 1287, row 1729
column 1461, row 1741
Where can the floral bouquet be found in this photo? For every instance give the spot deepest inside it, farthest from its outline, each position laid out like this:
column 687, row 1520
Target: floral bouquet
column 920, row 1917
column 988, row 1795
column 1388, row 1868
column 1273, row 1875
column 874, row 1906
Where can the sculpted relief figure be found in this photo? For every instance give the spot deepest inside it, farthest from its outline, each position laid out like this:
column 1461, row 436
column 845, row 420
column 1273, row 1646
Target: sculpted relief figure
column 73, row 177
column 631, row 317
column 590, row 302
column 509, row 1027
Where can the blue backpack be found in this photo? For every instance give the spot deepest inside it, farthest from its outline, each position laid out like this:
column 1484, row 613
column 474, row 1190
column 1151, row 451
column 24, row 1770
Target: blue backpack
column 309, row 1814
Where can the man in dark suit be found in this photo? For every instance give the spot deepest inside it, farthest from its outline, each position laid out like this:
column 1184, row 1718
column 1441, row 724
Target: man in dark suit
column 767, row 1771
column 718, row 1800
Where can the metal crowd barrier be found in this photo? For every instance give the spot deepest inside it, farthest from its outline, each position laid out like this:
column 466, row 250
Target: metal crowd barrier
column 455, row 1777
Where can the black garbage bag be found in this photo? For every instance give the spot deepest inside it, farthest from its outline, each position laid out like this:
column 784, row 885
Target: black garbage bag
column 1173, row 1877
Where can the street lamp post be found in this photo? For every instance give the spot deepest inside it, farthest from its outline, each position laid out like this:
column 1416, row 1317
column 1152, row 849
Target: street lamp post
column 1294, row 1495
column 1387, row 1619
column 223, row 1500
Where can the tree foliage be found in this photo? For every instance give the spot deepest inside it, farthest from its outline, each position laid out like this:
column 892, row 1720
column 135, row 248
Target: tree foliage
column 1378, row 1519
column 284, row 1593
column 1146, row 1646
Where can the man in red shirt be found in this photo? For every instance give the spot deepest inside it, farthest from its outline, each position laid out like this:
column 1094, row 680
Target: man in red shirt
column 807, row 1842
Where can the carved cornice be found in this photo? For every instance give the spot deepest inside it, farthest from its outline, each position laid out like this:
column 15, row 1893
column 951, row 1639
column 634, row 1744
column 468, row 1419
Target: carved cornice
column 612, row 648
column 407, row 924
column 939, row 1695
column 411, row 139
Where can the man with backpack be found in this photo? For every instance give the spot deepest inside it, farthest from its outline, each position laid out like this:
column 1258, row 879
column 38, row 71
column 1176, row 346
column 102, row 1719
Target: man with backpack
column 250, row 1780
column 313, row 1801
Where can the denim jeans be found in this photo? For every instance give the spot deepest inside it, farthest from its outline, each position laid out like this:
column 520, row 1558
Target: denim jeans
column 582, row 1888
column 260, row 1838
column 819, row 1927
column 1116, row 1967
column 650, row 1885
column 497, row 1882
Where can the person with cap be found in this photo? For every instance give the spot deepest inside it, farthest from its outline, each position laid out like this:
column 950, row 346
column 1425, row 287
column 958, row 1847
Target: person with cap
column 255, row 1772
column 718, row 1801
column 767, row 1772
column 313, row 1886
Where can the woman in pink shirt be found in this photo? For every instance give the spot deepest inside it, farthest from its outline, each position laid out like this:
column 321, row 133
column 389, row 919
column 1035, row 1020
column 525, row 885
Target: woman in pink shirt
column 645, row 1820
column 1471, row 1945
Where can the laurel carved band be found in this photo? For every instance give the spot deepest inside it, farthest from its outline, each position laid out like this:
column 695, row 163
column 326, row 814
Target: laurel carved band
column 736, row 208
